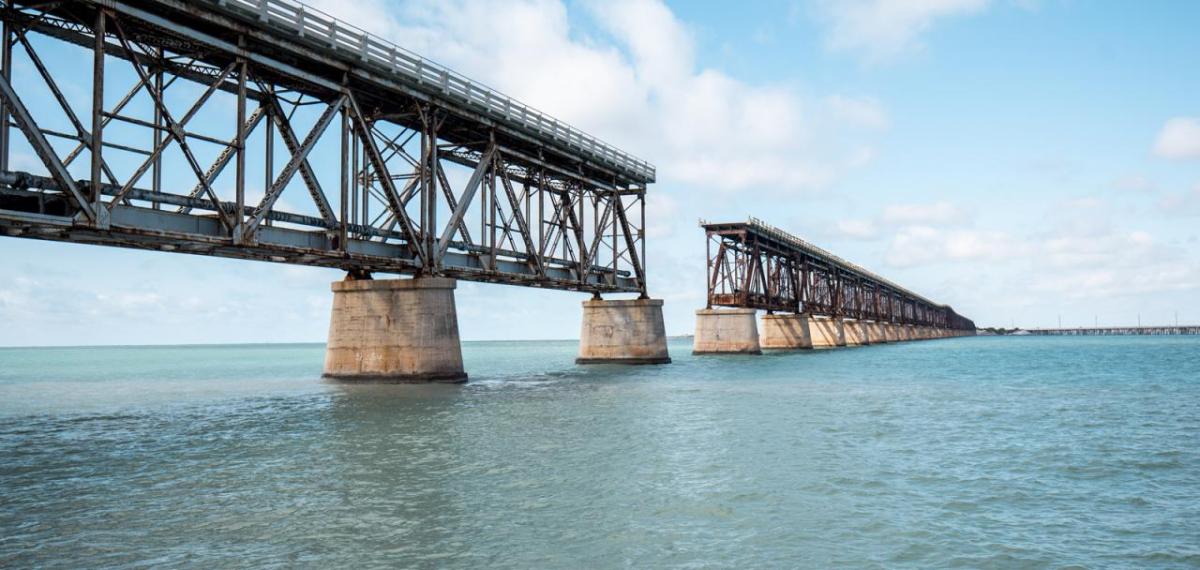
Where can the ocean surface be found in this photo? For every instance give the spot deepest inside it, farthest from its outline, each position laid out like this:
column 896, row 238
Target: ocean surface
column 975, row 453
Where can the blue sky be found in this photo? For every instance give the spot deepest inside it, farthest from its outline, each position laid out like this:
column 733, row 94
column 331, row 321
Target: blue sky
column 1019, row 160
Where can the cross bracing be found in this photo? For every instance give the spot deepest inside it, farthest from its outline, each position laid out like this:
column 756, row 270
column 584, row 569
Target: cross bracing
column 266, row 130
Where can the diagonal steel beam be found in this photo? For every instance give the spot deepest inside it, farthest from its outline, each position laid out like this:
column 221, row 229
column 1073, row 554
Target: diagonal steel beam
column 385, row 178
column 293, row 165
column 84, row 136
column 174, row 128
column 41, row 146
column 638, row 272
column 306, row 170
column 223, row 159
column 522, row 225
column 162, row 144
column 464, row 201
column 452, row 202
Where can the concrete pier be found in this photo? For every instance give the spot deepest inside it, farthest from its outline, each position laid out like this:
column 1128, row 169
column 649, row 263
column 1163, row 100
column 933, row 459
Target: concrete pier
column 879, row 333
column 623, row 332
column 786, row 331
column 726, row 331
column 856, row 333
column 827, row 333
column 394, row 331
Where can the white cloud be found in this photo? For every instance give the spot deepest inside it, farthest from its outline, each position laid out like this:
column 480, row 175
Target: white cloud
column 639, row 87
column 662, row 215
column 858, row 111
column 1182, row 203
column 881, row 30
column 1135, row 183
column 922, row 245
column 857, row 229
column 937, row 213
column 1179, row 139
column 1111, row 264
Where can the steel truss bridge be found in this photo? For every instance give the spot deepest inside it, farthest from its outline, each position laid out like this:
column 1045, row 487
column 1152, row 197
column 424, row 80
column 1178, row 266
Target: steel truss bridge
column 757, row 266
column 266, row 130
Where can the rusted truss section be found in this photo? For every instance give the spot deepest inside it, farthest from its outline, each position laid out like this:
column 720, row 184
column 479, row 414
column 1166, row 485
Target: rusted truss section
column 219, row 128
column 757, row 266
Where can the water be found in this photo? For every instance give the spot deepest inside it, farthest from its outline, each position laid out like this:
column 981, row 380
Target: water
column 980, row 452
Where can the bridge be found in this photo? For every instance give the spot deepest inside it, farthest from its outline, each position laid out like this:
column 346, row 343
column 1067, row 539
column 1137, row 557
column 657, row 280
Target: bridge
column 1120, row 331
column 267, row 130
column 812, row 298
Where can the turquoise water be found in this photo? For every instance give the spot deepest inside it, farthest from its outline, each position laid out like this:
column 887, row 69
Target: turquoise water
column 977, row 452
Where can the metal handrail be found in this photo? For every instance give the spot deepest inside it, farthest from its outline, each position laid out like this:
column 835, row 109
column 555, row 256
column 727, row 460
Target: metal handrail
column 313, row 24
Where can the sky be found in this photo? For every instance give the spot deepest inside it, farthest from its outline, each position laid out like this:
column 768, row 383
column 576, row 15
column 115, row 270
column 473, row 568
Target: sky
column 1023, row 161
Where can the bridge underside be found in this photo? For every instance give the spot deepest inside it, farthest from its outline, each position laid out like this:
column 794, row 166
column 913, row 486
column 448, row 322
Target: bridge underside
column 259, row 130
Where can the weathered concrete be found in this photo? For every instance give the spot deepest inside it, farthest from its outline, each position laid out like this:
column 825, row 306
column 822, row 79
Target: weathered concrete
column 827, row 333
column 786, row 331
column 878, row 332
column 891, row 331
column 855, row 333
column 726, row 331
column 394, row 331
column 907, row 332
column 623, row 332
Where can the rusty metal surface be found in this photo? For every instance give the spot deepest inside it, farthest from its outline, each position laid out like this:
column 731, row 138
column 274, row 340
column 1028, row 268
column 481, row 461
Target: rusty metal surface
column 758, row 266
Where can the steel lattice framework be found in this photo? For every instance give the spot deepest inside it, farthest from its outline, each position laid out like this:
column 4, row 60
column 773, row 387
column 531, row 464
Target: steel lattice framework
column 263, row 129
column 757, row 266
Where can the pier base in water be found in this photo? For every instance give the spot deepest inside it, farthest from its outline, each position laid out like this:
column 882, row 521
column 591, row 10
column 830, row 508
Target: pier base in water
column 394, row 331
column 726, row 331
column 623, row 332
column 786, row 331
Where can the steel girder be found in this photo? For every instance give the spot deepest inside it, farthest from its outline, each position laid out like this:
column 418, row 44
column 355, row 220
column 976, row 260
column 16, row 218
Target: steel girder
column 753, row 265
column 178, row 148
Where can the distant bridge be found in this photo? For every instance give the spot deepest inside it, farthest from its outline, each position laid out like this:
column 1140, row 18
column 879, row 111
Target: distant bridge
column 267, row 130
column 760, row 267
column 1119, row 331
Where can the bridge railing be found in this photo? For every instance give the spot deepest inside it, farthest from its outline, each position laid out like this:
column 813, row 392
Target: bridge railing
column 348, row 40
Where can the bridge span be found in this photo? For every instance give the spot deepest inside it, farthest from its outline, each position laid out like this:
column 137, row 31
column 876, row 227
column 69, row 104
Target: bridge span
column 267, row 130
column 812, row 298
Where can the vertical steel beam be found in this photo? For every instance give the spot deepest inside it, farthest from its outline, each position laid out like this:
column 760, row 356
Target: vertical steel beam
column 239, row 227
column 347, row 172
column 97, row 134
column 6, row 40
column 156, row 168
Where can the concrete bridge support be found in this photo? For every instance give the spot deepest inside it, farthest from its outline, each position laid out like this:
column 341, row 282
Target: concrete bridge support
column 394, row 331
column 623, row 332
column 827, row 333
column 878, row 332
column 890, row 332
column 726, row 331
column 786, row 331
column 856, row 333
